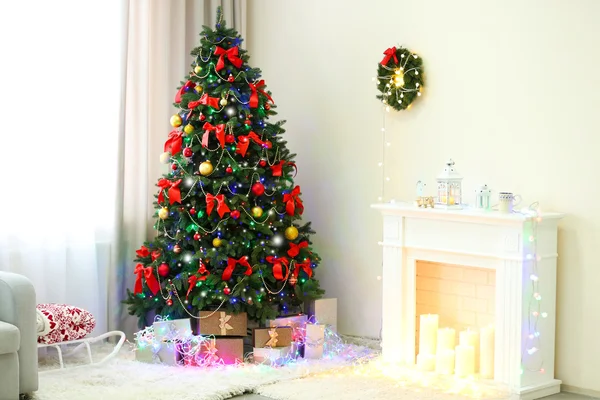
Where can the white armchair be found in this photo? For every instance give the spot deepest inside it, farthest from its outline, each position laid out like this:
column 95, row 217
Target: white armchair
column 18, row 337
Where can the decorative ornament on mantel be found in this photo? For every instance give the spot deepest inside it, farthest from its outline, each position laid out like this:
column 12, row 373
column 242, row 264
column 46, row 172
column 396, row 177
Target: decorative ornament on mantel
column 449, row 191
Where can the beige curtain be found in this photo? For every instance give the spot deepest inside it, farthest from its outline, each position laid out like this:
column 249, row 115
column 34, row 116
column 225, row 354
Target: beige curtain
column 158, row 37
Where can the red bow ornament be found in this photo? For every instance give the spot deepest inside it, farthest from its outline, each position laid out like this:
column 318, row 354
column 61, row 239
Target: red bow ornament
column 244, row 142
column 232, row 262
column 205, row 100
column 231, row 54
column 188, row 85
column 151, row 280
column 295, row 248
column 256, row 89
column 193, row 279
column 155, row 254
column 142, row 252
column 305, row 267
column 173, row 190
column 292, row 200
column 277, row 169
column 278, row 265
column 219, row 133
column 222, row 208
column 389, row 54
column 173, row 143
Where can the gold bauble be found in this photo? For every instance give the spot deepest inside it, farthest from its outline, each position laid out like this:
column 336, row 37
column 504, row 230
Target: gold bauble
column 197, row 69
column 257, row 212
column 163, row 213
column 176, row 121
column 223, row 102
column 198, row 88
column 165, row 157
column 291, row 233
column 206, row 168
column 189, row 128
column 217, row 242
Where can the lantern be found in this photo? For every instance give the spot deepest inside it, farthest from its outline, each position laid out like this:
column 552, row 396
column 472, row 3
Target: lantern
column 483, row 198
column 449, row 188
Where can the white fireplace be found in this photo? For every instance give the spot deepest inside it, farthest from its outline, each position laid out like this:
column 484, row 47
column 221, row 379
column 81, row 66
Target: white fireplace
column 486, row 266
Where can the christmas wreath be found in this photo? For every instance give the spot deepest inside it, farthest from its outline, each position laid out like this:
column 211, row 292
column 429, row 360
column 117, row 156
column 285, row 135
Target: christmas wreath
column 399, row 78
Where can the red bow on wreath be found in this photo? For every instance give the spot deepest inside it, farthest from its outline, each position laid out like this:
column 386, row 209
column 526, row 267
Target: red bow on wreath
column 305, row 267
column 173, row 143
column 232, row 56
column 188, row 85
column 232, row 262
column 222, row 208
column 292, row 200
column 389, row 53
column 205, row 100
column 219, row 133
column 295, row 248
column 193, row 279
column 277, row 169
column 258, row 88
column 244, row 142
column 151, row 280
column 174, row 193
column 278, row 264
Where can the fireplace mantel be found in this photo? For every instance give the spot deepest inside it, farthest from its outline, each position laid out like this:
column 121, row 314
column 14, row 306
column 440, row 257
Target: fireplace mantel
column 488, row 240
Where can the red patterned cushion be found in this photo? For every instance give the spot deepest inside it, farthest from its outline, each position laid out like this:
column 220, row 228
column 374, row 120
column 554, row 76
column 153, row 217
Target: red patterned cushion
column 65, row 323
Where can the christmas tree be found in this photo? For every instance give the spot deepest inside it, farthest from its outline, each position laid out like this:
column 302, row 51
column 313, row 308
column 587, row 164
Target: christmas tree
column 228, row 211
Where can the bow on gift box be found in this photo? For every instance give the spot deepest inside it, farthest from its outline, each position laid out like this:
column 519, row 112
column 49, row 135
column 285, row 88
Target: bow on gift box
column 173, row 143
column 232, row 262
column 193, row 279
column 231, row 54
column 292, row 200
column 272, row 338
column 219, row 133
column 305, row 267
column 295, row 248
column 389, row 53
column 222, row 208
column 151, row 280
column 188, row 85
column 277, row 169
column 256, row 89
column 223, row 325
column 205, row 100
column 278, row 265
column 174, row 193
column 211, row 352
column 242, row 146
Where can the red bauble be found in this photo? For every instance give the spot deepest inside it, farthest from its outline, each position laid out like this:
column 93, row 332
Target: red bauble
column 169, row 302
column 267, row 106
column 177, row 249
column 202, row 117
column 235, row 214
column 187, row 152
column 163, row 269
column 258, row 189
column 248, row 122
column 193, row 211
column 230, row 78
column 262, row 163
column 197, row 236
column 226, row 290
column 268, row 144
column 229, row 138
column 293, row 280
column 174, row 166
column 229, row 170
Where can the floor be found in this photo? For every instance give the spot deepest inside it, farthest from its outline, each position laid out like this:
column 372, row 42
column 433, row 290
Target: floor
column 560, row 396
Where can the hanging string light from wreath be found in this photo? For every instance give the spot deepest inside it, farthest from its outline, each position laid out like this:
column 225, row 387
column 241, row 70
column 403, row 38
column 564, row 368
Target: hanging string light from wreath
column 399, row 78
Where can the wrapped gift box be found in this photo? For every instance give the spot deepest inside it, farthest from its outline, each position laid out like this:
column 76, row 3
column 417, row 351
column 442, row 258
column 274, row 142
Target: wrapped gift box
column 298, row 325
column 174, row 329
column 323, row 311
column 230, row 350
column 315, row 338
column 221, row 323
column 276, row 355
column 272, row 337
column 160, row 353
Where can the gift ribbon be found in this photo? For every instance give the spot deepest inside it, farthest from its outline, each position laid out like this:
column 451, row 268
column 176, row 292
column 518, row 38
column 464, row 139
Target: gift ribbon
column 292, row 200
column 173, row 143
column 231, row 54
column 244, row 142
column 232, row 262
column 305, row 267
column 173, row 190
column 272, row 338
column 219, row 133
column 142, row 252
column 295, row 248
column 256, row 89
column 205, row 100
column 389, row 53
column 277, row 169
column 223, row 325
column 222, row 208
column 193, row 279
column 211, row 351
column 188, row 85
column 278, row 265
column 151, row 281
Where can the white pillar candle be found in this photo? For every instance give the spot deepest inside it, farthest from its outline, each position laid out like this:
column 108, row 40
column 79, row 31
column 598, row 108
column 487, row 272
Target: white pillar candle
column 470, row 338
column 446, row 339
column 486, row 362
column 428, row 327
column 465, row 360
column 425, row 362
column 444, row 361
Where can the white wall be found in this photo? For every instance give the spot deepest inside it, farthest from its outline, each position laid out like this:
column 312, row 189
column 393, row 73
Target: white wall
column 512, row 94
